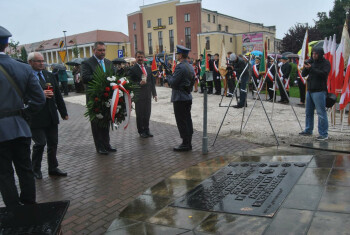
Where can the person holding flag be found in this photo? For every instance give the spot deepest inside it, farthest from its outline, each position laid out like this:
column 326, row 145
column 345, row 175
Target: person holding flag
column 142, row 75
column 317, row 69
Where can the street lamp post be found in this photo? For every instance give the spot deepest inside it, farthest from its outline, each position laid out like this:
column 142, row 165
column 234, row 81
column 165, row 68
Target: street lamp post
column 65, row 43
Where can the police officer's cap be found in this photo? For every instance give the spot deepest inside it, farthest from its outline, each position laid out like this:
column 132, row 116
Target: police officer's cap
column 4, row 35
column 182, row 50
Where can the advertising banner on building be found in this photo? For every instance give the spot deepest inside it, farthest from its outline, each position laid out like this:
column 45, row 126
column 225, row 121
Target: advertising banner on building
column 252, row 42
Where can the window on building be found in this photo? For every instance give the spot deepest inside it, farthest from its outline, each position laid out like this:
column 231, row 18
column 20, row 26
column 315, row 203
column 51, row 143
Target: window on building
column 188, row 37
column 134, row 26
column 213, row 19
column 159, row 22
column 268, row 44
column 207, row 43
column 160, row 41
column 231, row 40
column 187, row 17
column 208, row 17
column 150, row 48
column 171, row 40
column 219, row 27
column 148, row 24
column 135, row 42
column 226, row 28
column 170, row 20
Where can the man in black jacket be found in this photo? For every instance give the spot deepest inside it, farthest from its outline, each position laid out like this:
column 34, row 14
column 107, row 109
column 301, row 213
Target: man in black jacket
column 141, row 74
column 44, row 124
column 285, row 70
column 239, row 66
column 88, row 67
column 317, row 69
column 216, row 75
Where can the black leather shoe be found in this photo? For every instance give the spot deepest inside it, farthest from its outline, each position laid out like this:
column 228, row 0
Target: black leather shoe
column 182, row 148
column 143, row 135
column 102, row 151
column 237, row 106
column 38, row 175
column 57, row 172
column 110, row 149
column 149, row 134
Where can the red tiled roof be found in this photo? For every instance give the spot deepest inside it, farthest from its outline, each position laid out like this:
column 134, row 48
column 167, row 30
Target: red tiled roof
column 79, row 39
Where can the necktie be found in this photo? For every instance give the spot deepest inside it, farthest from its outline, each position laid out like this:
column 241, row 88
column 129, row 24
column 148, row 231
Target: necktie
column 41, row 80
column 103, row 65
column 143, row 70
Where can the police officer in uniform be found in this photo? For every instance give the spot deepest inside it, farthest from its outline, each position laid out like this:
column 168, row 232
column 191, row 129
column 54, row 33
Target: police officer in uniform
column 17, row 83
column 181, row 97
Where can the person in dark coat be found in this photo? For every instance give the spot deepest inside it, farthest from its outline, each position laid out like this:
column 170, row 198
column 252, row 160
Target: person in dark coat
column 239, row 66
column 141, row 74
column 216, row 75
column 88, row 67
column 211, row 68
column 181, row 97
column 317, row 69
column 229, row 76
column 14, row 130
column 285, row 70
column 44, row 124
column 270, row 77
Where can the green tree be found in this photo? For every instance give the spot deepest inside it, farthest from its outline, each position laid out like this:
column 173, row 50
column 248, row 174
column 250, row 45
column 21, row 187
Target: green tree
column 24, row 54
column 333, row 22
column 14, row 53
column 293, row 39
column 76, row 51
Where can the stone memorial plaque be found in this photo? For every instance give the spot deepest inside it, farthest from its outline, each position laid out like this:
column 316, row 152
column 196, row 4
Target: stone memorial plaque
column 247, row 188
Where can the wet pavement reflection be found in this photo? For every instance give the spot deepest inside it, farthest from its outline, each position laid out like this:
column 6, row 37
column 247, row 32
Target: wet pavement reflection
column 319, row 202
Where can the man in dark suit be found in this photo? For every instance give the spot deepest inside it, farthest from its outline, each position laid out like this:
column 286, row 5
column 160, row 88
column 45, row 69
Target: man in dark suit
column 14, row 130
column 216, row 75
column 88, row 67
column 44, row 124
column 142, row 75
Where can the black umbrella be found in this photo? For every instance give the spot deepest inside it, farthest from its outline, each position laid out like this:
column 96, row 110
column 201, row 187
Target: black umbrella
column 59, row 66
column 292, row 56
column 118, row 61
column 75, row 61
column 286, row 53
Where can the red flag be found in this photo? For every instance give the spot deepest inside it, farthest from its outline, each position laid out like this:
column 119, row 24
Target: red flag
column 345, row 94
column 304, row 51
column 154, row 64
column 331, row 76
column 174, row 62
column 339, row 68
column 325, row 48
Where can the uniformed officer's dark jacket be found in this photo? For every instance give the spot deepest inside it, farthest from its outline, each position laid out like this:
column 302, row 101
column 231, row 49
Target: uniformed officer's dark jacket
column 286, row 68
column 48, row 115
column 239, row 66
column 180, row 81
column 15, row 126
column 216, row 75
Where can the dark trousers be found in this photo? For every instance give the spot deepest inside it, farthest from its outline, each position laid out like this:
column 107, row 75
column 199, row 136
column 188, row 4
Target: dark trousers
column 269, row 84
column 182, row 110
column 16, row 151
column 65, row 87
column 282, row 93
column 210, row 87
column 41, row 137
column 301, row 86
column 143, row 114
column 217, row 84
column 243, row 90
column 230, row 85
column 101, row 136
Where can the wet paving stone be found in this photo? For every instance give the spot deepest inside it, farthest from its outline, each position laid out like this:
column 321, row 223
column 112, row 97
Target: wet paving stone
column 172, row 188
column 339, row 177
column 325, row 223
column 290, row 221
column 218, row 223
column 342, row 161
column 304, row 197
column 335, row 199
column 180, row 218
column 314, row 176
column 144, row 207
column 322, row 161
column 195, row 173
column 338, row 146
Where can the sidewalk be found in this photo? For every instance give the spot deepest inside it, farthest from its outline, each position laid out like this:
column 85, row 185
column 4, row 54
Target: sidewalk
column 99, row 186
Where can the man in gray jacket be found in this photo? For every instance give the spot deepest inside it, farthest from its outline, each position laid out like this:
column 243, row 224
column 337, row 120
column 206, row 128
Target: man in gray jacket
column 17, row 83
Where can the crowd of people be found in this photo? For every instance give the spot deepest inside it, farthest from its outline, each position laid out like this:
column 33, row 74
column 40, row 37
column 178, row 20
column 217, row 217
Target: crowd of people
column 33, row 99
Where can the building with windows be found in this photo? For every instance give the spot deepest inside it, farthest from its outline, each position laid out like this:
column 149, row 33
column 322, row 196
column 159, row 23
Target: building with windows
column 159, row 27
column 82, row 43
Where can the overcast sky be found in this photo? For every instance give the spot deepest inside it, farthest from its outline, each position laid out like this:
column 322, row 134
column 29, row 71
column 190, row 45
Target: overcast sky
column 36, row 20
